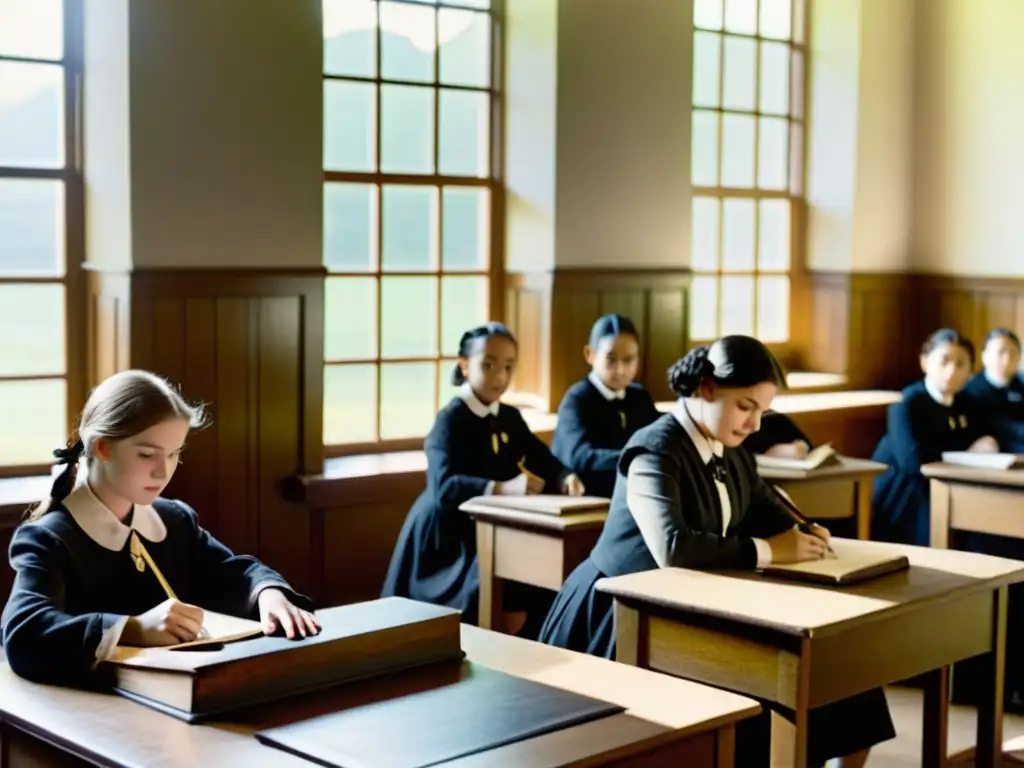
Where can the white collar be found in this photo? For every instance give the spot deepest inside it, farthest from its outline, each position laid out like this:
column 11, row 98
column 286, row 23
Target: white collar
column 606, row 393
column 996, row 383
column 703, row 445
column 103, row 526
column 478, row 408
column 937, row 396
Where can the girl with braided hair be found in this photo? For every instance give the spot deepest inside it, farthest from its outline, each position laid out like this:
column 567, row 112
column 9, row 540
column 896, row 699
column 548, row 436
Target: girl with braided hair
column 687, row 496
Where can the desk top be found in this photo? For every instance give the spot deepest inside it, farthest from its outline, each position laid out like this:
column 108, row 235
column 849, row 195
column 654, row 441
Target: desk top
column 848, row 467
column 803, row 609
column 940, row 470
column 479, row 509
column 112, row 730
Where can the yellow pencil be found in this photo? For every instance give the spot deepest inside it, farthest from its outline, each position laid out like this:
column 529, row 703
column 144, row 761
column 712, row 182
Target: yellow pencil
column 528, row 473
column 137, row 550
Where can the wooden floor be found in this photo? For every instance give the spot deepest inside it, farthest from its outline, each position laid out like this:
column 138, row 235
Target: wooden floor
column 904, row 751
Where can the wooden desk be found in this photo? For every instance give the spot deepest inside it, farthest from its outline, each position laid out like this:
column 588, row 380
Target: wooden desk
column 803, row 646
column 667, row 721
column 830, row 493
column 531, row 548
column 972, row 499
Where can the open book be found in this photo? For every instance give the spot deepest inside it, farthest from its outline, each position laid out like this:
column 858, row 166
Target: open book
column 847, row 567
column 544, row 503
column 984, row 460
column 822, row 456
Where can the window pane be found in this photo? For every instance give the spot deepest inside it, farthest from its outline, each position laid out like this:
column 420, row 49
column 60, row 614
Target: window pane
column 465, row 127
column 737, row 305
column 773, row 235
column 796, row 107
column 707, row 14
column 737, row 151
column 772, row 153
column 465, row 230
column 464, row 303
column 350, row 310
column 407, row 400
column 408, row 317
column 704, row 229
column 704, row 308
column 350, row 404
column 465, row 47
column 707, row 62
column 774, row 78
column 739, row 86
column 410, row 228
column 31, row 115
column 445, row 389
column 741, row 16
column 407, row 129
column 32, row 29
column 33, row 420
column 350, row 227
column 776, row 17
column 350, row 37
column 773, row 308
column 796, row 159
column 350, row 126
column 738, row 235
column 32, row 319
column 704, row 149
column 408, row 40
column 31, row 227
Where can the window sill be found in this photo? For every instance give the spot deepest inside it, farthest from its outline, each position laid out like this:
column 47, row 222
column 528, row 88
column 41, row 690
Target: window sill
column 17, row 494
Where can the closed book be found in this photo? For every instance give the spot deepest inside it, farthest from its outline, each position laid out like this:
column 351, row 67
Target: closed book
column 194, row 682
column 984, row 460
column 482, row 710
column 543, row 503
column 847, row 567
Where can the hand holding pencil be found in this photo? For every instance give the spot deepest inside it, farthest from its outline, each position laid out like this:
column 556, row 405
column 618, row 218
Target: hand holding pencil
column 806, row 528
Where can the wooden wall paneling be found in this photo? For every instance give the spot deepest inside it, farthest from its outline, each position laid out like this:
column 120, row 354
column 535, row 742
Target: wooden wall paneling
column 667, row 338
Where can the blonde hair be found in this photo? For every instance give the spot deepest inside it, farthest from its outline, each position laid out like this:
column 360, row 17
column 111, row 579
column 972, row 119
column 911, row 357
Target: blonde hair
column 122, row 406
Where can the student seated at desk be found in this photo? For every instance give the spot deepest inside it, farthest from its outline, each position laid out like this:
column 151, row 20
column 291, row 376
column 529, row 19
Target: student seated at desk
column 600, row 413
column 999, row 390
column 79, row 590
column 687, row 496
column 476, row 447
column 933, row 416
column 778, row 436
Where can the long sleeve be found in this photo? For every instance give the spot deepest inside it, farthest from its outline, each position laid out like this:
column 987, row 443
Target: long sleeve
column 654, row 501
column 42, row 641
column 575, row 437
column 448, row 486
column 904, row 428
column 230, row 583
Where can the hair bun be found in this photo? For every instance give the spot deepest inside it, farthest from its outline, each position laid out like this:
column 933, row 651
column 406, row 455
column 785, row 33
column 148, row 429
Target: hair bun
column 686, row 375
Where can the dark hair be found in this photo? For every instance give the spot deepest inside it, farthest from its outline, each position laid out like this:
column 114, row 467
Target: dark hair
column 470, row 340
column 732, row 362
column 123, row 405
column 948, row 336
column 1003, row 333
column 610, row 326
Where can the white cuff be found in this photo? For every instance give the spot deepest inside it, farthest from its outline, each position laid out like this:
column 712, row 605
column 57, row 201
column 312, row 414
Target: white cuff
column 764, row 553
column 489, row 489
column 110, row 640
column 514, row 487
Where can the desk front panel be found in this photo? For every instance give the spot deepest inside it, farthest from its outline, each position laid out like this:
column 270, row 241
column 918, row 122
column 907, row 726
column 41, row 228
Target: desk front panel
column 987, row 509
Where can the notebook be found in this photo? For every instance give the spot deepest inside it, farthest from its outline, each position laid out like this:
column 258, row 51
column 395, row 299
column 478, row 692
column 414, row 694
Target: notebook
column 544, row 503
column 848, row 567
column 984, row 460
column 483, row 710
column 822, row 456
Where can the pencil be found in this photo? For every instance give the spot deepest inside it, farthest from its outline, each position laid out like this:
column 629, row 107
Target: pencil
column 137, row 549
column 802, row 522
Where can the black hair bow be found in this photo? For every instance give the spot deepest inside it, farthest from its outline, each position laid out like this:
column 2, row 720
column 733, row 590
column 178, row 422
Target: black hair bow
column 71, row 454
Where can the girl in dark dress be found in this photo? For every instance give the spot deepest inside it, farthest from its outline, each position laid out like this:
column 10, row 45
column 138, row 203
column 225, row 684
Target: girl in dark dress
column 476, row 447
column 78, row 588
column 999, row 390
column 778, row 436
column 933, row 416
column 600, row 413
column 687, row 496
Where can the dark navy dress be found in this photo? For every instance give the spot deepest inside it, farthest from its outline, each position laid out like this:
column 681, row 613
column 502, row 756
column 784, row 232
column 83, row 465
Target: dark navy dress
column 74, row 587
column 435, row 558
column 918, row 430
column 776, row 428
column 593, row 427
column 582, row 618
column 1002, row 408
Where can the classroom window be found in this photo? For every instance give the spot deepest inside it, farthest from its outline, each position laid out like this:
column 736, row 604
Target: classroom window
column 40, row 203
column 410, row 193
column 749, row 59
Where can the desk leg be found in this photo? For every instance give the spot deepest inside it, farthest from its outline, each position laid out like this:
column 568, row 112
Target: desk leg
column 630, row 637
column 990, row 706
column 801, row 712
column 864, row 489
column 725, row 747
column 938, row 498
column 490, row 602
column 935, row 738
